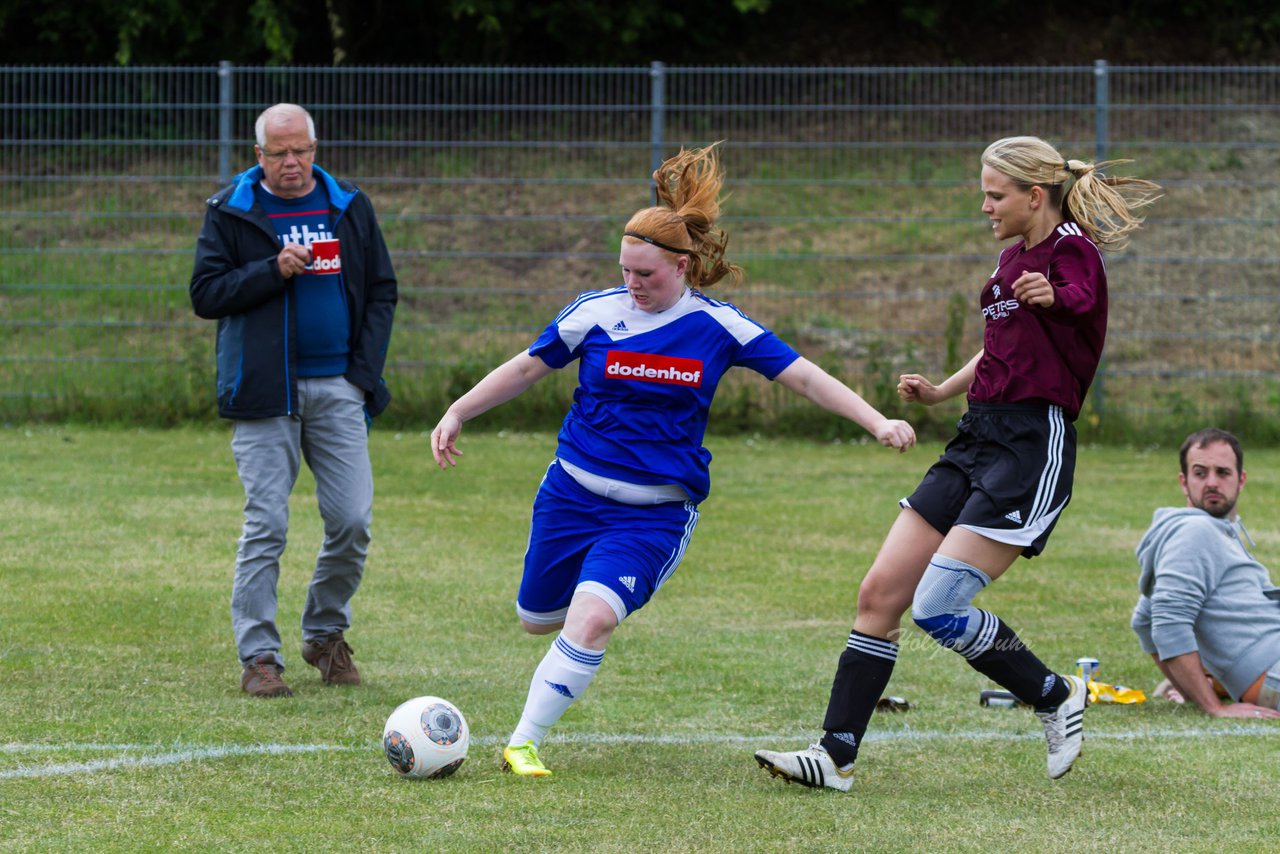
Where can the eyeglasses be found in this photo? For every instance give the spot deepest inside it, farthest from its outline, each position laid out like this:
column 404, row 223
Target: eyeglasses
column 299, row 153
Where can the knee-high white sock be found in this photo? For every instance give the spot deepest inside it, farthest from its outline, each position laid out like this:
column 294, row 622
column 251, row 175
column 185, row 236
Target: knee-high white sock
column 565, row 672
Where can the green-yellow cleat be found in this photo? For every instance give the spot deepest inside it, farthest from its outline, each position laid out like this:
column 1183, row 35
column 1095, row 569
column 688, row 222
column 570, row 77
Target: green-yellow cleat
column 523, row 759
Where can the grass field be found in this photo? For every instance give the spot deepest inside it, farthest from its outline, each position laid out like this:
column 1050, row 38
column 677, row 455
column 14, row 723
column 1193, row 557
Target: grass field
column 122, row 727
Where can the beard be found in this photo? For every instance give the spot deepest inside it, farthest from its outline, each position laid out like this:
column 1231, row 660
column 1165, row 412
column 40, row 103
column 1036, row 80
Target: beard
column 1220, row 510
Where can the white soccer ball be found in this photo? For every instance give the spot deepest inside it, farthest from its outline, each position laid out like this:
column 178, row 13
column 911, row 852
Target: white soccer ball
column 426, row 737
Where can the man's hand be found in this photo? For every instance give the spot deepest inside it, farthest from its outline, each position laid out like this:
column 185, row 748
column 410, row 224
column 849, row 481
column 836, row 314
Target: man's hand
column 1188, row 676
column 293, row 260
column 1244, row 710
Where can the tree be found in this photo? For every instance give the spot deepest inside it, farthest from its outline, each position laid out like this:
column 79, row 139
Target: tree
column 605, row 32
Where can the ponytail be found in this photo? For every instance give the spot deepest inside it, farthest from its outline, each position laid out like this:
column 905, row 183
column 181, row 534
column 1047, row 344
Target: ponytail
column 1106, row 208
column 684, row 220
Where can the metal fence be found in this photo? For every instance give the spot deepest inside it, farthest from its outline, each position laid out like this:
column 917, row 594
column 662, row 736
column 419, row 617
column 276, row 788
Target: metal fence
column 853, row 205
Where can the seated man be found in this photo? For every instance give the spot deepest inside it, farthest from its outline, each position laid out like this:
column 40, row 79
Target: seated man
column 1207, row 606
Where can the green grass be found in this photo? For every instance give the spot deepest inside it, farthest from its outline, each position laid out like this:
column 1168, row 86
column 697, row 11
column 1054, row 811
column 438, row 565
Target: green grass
column 115, row 648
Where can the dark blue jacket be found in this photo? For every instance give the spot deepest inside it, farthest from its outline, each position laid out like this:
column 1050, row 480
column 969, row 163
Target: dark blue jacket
column 236, row 282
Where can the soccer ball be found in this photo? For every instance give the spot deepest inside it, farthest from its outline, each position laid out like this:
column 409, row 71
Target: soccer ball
column 426, row 737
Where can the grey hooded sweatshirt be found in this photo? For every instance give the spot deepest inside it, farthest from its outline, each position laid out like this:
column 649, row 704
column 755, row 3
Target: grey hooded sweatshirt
column 1203, row 592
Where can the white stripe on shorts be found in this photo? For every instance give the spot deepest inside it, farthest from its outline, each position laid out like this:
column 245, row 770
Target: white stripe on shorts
column 674, row 561
column 1053, row 467
column 1041, row 516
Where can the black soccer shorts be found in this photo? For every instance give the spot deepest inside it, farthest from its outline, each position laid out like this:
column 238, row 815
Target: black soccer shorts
column 1007, row 475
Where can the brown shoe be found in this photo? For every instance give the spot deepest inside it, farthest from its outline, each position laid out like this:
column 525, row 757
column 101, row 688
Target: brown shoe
column 332, row 657
column 261, row 678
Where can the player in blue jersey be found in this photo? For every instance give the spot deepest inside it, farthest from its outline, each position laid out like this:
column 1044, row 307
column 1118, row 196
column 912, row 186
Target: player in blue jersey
column 618, row 505
column 1003, row 481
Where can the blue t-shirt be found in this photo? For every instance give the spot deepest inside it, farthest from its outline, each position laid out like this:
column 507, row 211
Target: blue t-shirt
column 646, row 381
column 320, row 300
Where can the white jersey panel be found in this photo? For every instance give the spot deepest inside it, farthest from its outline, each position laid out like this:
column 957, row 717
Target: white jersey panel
column 615, row 314
column 646, row 381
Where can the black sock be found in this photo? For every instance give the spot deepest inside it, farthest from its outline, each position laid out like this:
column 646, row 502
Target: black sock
column 863, row 673
column 1009, row 663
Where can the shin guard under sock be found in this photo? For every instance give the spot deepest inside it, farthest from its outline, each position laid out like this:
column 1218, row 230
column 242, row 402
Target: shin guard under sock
column 1009, row 663
column 561, row 678
column 861, row 677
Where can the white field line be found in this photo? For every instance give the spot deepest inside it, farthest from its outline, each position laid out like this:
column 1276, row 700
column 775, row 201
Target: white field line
column 197, row 754
column 154, row 760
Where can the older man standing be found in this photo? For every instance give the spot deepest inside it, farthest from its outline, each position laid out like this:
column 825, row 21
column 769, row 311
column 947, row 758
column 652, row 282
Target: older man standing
column 1207, row 606
column 292, row 264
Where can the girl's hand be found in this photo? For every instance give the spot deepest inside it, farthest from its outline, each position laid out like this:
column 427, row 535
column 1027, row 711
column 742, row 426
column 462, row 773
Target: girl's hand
column 896, row 434
column 1034, row 289
column 914, row 388
column 444, row 438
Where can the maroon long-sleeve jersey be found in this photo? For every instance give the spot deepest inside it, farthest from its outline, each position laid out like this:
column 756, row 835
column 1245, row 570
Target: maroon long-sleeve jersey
column 1044, row 355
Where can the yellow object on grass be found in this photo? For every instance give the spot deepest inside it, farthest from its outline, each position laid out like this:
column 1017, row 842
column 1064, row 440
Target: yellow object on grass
column 1101, row 692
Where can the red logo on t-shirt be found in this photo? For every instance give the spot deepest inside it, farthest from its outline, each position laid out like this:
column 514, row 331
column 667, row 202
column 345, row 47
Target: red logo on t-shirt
column 648, row 368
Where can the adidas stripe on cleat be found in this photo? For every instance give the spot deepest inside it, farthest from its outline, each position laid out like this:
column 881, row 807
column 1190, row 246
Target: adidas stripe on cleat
column 1064, row 728
column 811, row 767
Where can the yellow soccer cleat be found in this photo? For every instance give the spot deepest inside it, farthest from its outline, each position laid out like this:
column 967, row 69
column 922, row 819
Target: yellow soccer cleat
column 523, row 759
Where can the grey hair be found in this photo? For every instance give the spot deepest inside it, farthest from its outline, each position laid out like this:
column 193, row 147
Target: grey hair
column 281, row 110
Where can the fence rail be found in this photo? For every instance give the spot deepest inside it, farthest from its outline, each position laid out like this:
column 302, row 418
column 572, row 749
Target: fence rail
column 853, row 205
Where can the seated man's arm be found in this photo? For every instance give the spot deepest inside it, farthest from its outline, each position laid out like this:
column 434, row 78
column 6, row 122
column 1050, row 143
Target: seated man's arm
column 1140, row 622
column 1187, row 675
column 1166, row 621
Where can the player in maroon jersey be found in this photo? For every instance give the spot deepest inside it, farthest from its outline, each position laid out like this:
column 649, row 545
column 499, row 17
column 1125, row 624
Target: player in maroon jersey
column 1003, row 481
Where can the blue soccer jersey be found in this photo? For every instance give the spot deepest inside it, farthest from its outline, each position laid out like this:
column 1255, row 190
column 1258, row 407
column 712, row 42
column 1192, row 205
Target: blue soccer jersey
column 646, row 381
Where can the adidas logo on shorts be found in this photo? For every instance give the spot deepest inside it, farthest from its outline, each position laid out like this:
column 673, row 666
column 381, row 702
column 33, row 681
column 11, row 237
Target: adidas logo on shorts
column 1014, row 517
column 628, row 581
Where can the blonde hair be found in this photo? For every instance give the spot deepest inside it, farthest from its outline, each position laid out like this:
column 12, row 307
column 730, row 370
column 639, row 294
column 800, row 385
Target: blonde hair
column 684, row 220
column 1102, row 205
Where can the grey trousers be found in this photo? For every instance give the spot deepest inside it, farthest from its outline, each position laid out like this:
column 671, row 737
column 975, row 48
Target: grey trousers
column 331, row 434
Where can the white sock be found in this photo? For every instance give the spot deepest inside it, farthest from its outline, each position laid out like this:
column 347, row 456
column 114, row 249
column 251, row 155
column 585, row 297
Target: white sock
column 565, row 672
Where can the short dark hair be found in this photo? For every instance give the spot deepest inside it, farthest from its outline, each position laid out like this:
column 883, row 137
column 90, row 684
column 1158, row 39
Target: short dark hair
column 1206, row 437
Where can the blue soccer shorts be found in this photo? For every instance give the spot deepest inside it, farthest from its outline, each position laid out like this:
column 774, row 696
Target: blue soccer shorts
column 580, row 541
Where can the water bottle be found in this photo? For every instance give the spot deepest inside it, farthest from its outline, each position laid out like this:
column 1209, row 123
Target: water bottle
column 1087, row 669
column 997, row 699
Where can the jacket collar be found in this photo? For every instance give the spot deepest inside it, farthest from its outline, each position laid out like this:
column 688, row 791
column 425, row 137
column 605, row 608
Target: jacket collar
column 241, row 196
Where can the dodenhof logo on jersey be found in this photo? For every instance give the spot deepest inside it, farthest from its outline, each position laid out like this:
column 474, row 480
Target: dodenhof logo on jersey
column 325, row 257
column 651, row 368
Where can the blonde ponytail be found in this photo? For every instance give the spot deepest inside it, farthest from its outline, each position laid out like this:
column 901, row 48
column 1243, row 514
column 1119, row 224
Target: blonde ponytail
column 1106, row 208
